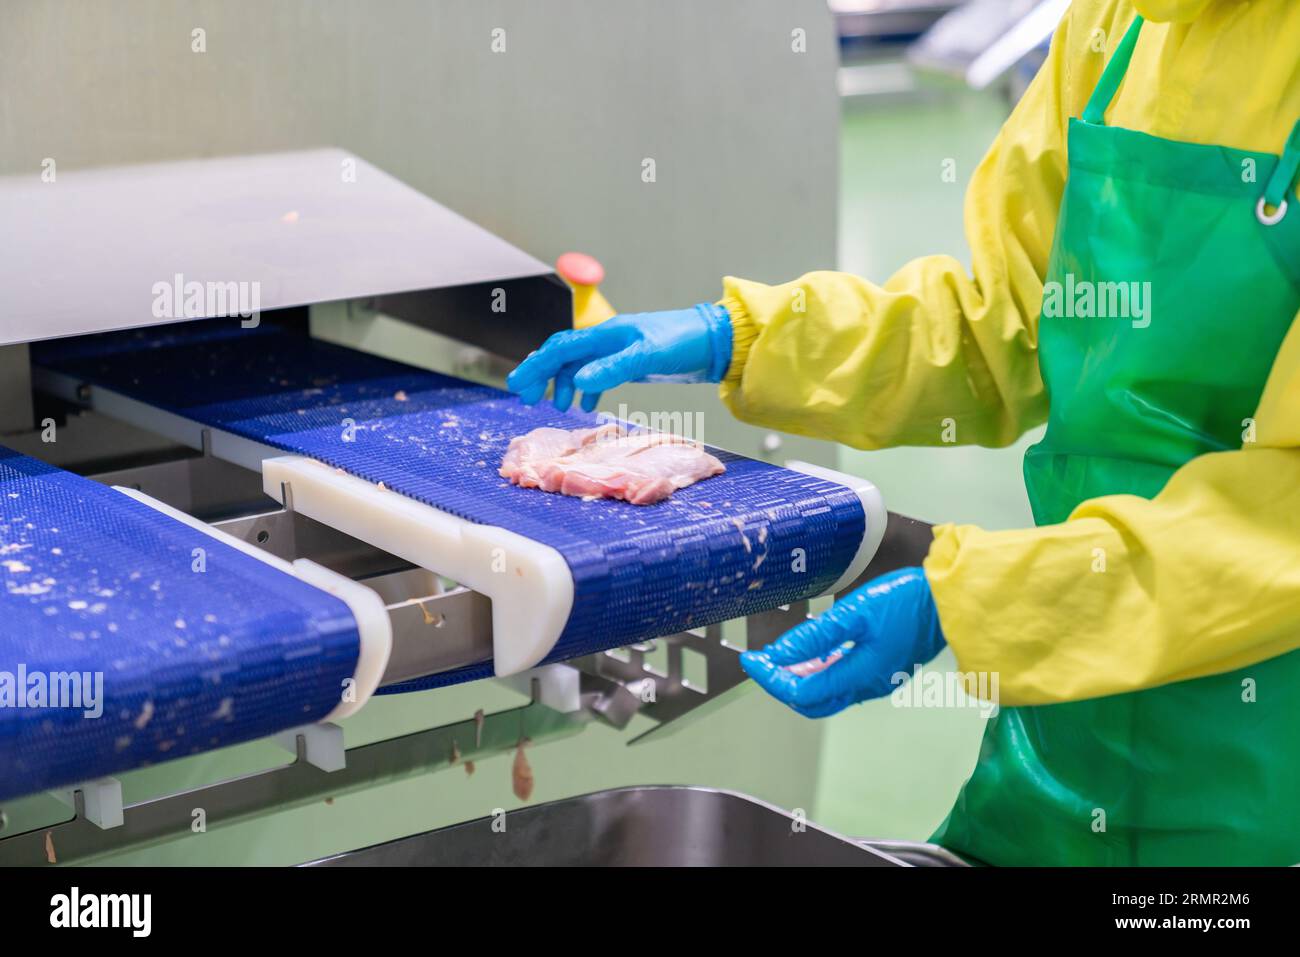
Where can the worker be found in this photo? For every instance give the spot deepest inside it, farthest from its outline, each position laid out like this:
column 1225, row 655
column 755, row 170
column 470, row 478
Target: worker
column 1135, row 238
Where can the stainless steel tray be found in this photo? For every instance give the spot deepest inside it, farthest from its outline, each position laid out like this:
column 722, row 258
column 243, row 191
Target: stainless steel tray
column 635, row 826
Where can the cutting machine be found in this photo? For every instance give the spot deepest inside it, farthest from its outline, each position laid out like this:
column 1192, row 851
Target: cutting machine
column 216, row 525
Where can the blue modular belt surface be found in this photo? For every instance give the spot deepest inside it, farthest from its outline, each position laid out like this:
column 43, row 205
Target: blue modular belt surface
column 120, row 648
column 751, row 539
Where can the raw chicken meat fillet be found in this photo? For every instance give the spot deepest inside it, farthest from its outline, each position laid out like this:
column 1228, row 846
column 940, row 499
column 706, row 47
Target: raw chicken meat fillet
column 607, row 462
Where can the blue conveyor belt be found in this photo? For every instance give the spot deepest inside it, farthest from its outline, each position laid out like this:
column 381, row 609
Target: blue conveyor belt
column 186, row 657
column 754, row 538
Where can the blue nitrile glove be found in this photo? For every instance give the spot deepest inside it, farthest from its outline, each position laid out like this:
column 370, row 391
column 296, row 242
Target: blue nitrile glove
column 887, row 626
column 683, row 345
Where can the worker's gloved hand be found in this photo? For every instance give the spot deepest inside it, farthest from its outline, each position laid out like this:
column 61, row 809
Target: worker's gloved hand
column 684, row 345
column 887, row 626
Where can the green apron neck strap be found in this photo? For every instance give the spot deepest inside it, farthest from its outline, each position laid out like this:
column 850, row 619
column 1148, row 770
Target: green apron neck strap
column 1112, row 76
column 1279, row 184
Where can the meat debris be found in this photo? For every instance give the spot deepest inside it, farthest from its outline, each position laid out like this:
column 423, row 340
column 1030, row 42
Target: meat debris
column 521, row 775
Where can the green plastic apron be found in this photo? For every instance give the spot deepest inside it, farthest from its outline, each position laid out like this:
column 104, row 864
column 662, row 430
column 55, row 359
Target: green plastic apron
column 1174, row 276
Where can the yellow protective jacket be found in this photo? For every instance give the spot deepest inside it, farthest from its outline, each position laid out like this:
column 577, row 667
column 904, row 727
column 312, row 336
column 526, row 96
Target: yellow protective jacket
column 1205, row 577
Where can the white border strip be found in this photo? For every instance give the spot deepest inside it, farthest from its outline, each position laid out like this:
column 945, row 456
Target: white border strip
column 373, row 625
column 530, row 584
column 873, row 506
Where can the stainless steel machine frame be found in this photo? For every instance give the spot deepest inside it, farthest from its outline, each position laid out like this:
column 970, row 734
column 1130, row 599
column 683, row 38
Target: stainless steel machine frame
column 437, row 625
